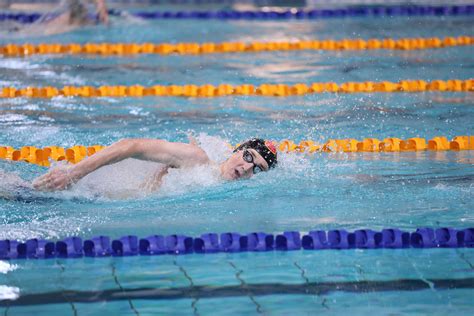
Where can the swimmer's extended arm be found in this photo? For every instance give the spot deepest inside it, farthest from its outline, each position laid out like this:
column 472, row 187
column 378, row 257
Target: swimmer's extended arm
column 103, row 13
column 171, row 154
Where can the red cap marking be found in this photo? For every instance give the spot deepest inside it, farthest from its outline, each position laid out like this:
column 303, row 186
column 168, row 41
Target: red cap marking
column 271, row 146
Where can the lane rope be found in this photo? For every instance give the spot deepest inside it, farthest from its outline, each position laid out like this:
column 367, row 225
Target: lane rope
column 266, row 89
column 131, row 245
column 284, row 14
column 122, row 49
column 44, row 156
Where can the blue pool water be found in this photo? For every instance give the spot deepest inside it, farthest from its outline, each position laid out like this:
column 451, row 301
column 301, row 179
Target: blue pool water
column 305, row 192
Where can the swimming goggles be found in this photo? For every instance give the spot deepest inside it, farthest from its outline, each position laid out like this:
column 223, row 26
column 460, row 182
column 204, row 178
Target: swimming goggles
column 249, row 158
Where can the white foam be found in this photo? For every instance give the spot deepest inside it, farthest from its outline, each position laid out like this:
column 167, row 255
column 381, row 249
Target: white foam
column 17, row 64
column 12, row 118
column 9, row 292
column 294, row 162
column 179, row 181
column 127, row 179
column 11, row 180
column 6, row 267
column 71, row 80
column 31, row 107
column 65, row 79
column 137, row 111
column 441, row 187
column 121, row 180
column 47, row 73
column 217, row 149
column 45, row 119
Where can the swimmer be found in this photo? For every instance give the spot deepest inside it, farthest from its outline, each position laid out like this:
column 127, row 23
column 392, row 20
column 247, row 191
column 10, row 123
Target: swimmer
column 70, row 15
column 82, row 12
column 251, row 157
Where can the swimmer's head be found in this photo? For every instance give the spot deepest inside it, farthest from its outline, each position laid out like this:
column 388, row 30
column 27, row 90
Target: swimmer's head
column 253, row 156
column 77, row 13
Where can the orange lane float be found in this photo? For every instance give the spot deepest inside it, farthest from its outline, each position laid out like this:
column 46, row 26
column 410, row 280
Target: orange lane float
column 44, row 156
column 266, row 89
column 192, row 48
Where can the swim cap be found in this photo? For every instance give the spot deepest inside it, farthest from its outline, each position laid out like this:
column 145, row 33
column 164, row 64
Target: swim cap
column 265, row 148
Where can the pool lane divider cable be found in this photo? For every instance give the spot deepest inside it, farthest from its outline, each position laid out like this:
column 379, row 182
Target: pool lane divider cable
column 272, row 14
column 131, row 245
column 44, row 156
column 312, row 14
column 123, row 49
column 263, row 90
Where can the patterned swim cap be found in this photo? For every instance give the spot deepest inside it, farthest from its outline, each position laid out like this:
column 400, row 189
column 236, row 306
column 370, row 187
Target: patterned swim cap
column 265, row 148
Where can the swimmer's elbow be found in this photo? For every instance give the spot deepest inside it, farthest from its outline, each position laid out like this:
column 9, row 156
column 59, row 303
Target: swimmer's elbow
column 194, row 157
column 144, row 149
column 128, row 147
column 201, row 157
column 125, row 143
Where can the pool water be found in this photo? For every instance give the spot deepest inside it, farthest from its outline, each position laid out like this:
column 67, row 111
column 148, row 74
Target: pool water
column 305, row 192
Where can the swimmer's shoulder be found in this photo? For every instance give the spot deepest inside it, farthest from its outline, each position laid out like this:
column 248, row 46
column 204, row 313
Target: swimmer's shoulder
column 199, row 155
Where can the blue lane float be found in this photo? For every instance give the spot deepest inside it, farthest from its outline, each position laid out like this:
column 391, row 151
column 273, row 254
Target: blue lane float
column 376, row 11
column 131, row 245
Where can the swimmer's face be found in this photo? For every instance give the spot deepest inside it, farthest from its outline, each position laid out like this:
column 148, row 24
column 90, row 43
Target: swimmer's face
column 243, row 164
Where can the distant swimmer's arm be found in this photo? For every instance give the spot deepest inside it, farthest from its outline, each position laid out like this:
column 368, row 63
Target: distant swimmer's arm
column 103, row 14
column 171, row 154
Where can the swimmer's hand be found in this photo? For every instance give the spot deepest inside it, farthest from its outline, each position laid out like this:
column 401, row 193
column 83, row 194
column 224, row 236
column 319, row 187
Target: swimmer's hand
column 104, row 18
column 55, row 180
column 103, row 12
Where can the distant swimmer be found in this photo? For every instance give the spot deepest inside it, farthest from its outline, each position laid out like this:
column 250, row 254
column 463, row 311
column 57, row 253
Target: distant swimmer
column 70, row 15
column 74, row 14
column 83, row 12
column 253, row 156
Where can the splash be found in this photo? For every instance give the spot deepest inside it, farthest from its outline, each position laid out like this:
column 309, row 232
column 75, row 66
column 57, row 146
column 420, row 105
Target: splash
column 14, row 119
column 63, row 78
column 6, row 267
column 122, row 180
column 9, row 292
column 52, row 225
column 11, row 184
column 130, row 178
column 179, row 181
column 293, row 162
column 17, row 64
column 216, row 148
